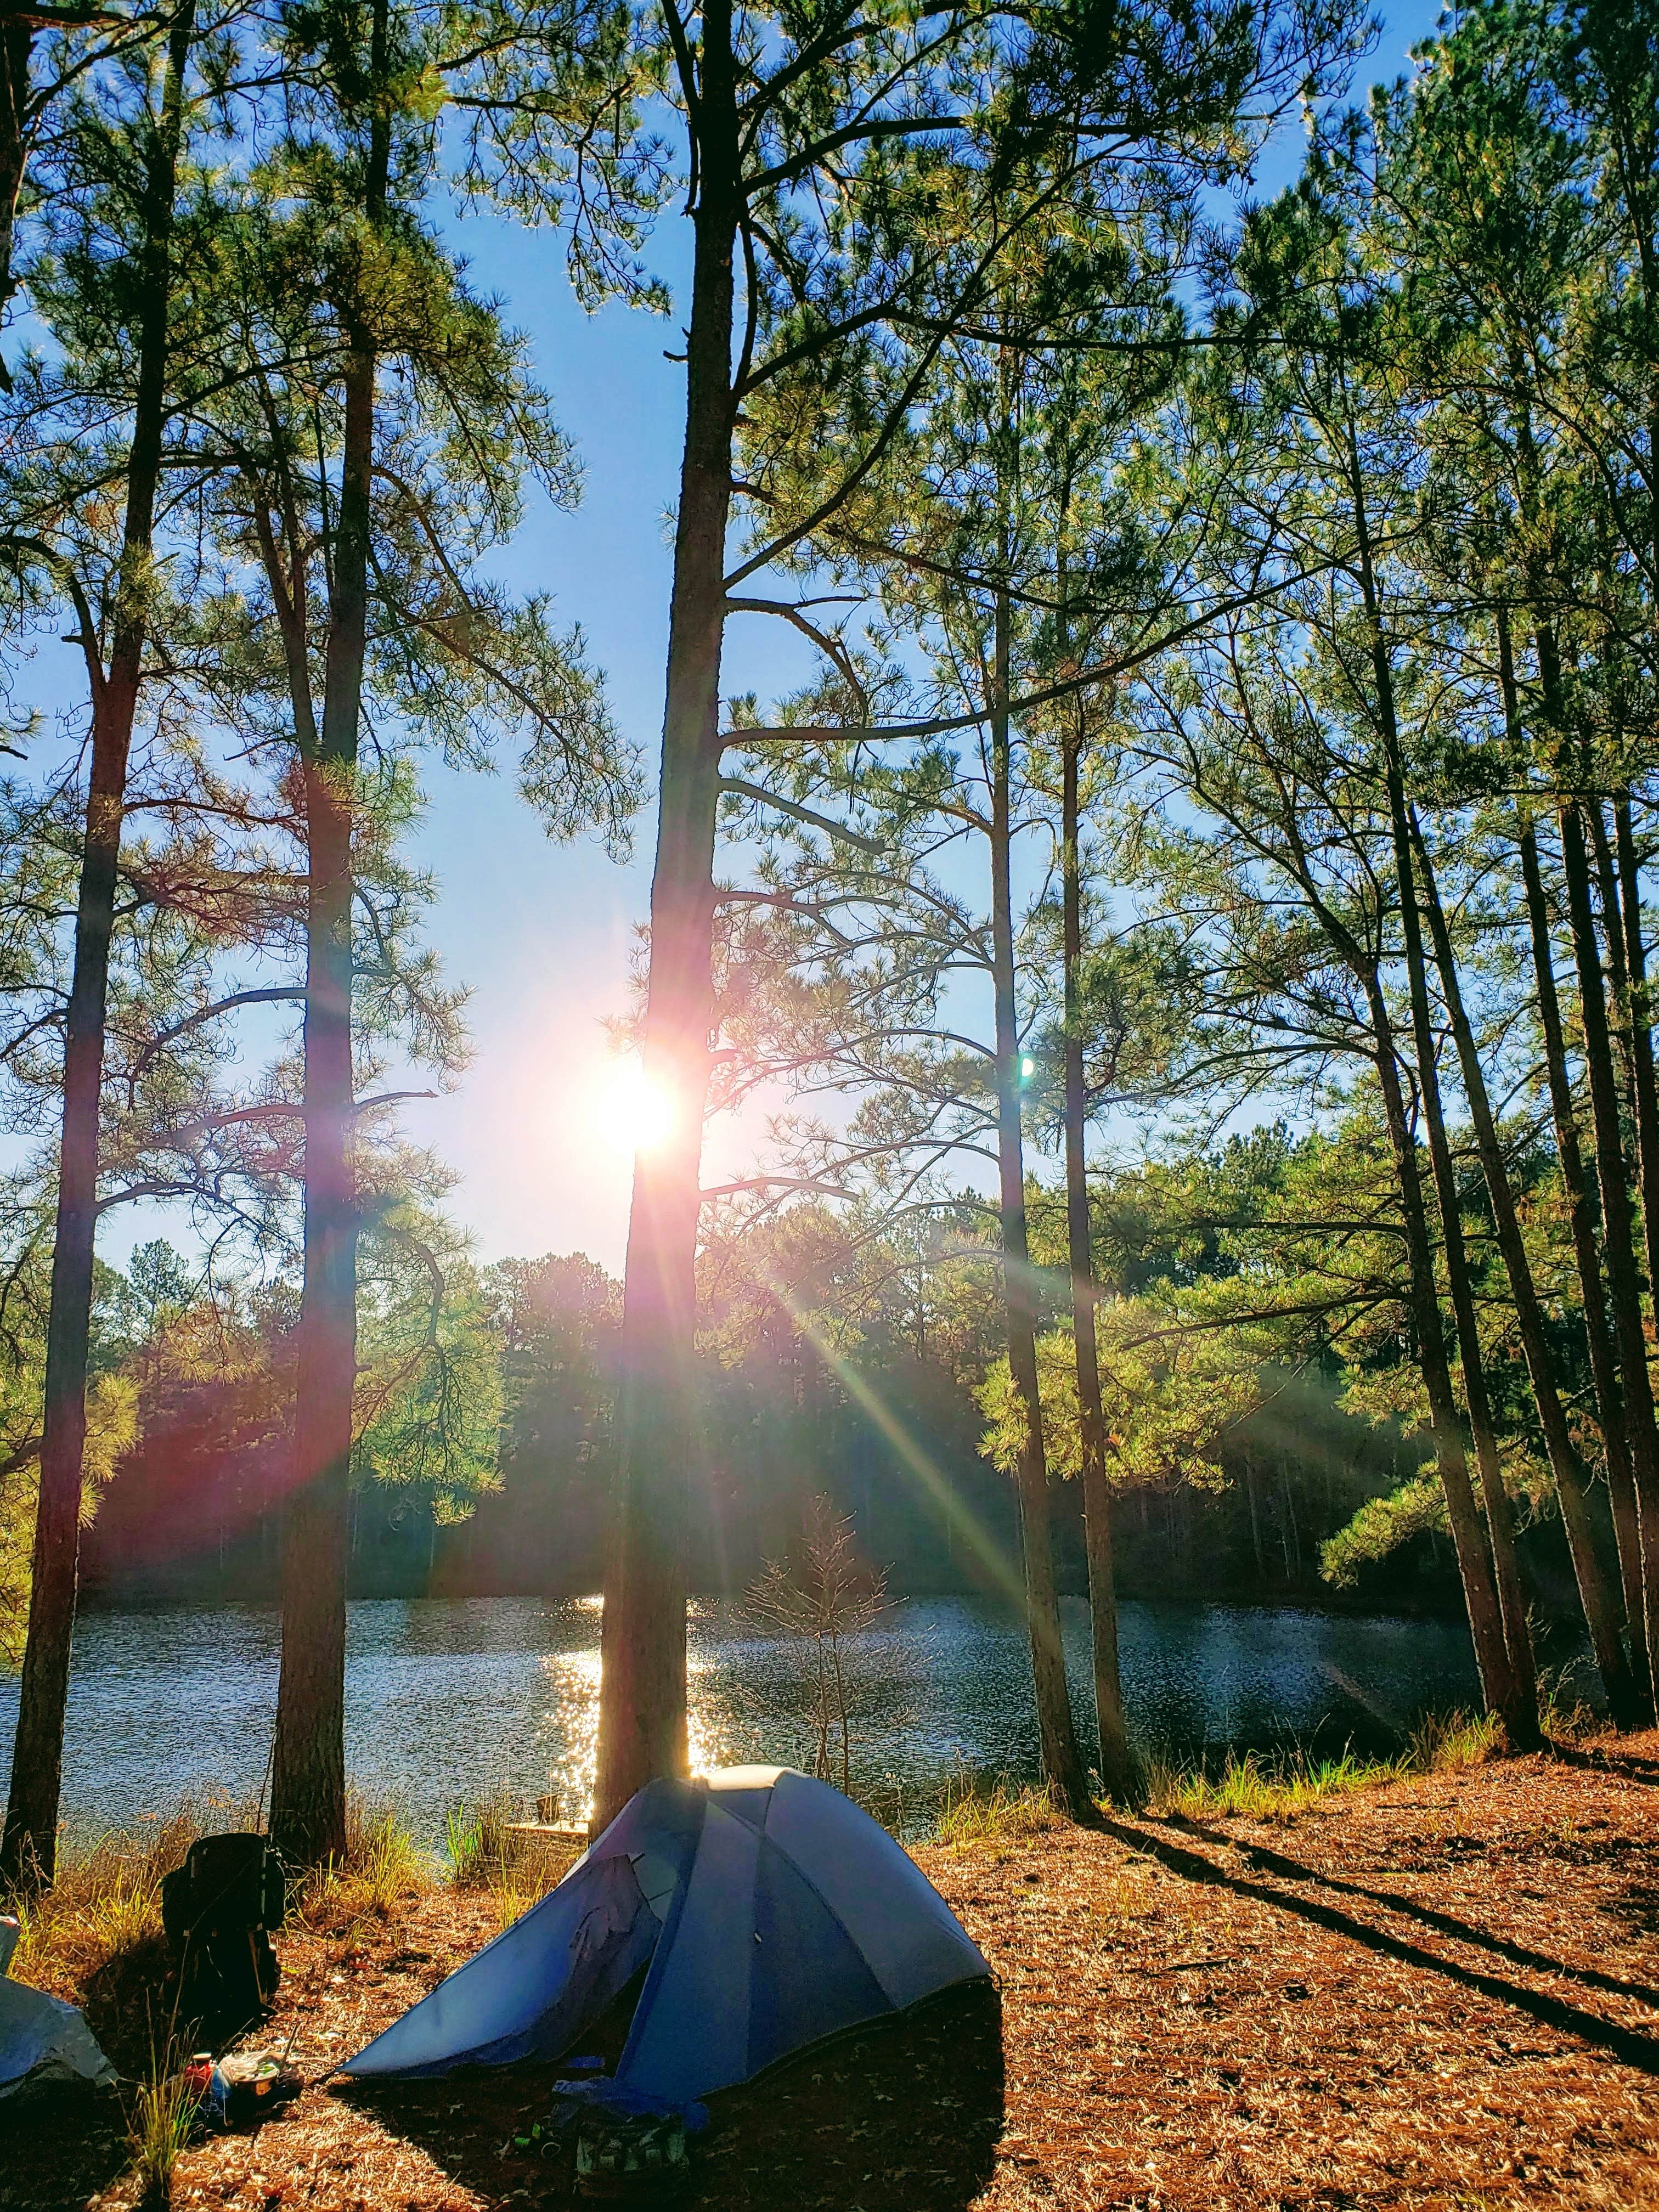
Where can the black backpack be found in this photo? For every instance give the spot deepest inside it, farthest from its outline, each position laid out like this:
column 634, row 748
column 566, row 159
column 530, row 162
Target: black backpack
column 217, row 1911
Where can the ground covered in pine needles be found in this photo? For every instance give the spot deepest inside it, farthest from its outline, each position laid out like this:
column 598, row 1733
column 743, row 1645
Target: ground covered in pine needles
column 1438, row 1992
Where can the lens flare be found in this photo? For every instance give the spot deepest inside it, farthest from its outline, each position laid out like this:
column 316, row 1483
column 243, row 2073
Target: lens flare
column 635, row 1114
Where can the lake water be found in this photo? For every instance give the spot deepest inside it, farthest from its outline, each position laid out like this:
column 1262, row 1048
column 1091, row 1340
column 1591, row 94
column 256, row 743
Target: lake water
column 447, row 1701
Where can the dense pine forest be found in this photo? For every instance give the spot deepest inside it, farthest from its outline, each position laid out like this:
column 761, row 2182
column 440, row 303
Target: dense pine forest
column 193, row 1509
column 1177, row 949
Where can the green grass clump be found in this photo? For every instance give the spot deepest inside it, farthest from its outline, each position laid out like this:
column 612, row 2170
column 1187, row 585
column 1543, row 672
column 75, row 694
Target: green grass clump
column 484, row 1856
column 1252, row 1788
column 381, row 1866
column 1446, row 1744
column 477, row 1839
column 971, row 1814
column 160, row 2112
column 1563, row 1714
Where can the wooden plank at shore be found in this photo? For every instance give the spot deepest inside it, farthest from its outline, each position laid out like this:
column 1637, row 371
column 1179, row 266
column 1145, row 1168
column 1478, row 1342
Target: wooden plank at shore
column 523, row 1837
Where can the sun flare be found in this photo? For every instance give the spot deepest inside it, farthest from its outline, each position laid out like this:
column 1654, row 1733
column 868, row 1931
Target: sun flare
column 634, row 1113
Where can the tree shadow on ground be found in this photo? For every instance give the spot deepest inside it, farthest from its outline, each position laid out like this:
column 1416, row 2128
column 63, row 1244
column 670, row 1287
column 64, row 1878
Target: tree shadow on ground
column 1428, row 1916
column 69, row 2145
column 903, row 2115
column 1631, row 1765
column 1628, row 2045
column 76, row 2136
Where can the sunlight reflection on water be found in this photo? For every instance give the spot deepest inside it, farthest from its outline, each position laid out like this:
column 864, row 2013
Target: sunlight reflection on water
column 447, row 1700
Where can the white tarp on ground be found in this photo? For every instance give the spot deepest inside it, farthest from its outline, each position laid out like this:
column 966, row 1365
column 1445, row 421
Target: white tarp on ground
column 41, row 2037
column 768, row 1910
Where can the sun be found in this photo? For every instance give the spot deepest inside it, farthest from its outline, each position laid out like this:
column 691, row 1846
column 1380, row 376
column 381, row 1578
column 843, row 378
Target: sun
column 635, row 1114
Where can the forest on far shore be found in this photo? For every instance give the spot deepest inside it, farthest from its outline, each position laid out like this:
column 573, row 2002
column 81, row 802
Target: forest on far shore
column 486, row 1470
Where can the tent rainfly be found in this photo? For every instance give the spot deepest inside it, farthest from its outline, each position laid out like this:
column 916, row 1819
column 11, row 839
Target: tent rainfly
column 768, row 1912
column 41, row 2038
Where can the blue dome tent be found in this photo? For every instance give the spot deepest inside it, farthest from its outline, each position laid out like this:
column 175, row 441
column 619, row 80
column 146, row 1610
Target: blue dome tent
column 768, row 1910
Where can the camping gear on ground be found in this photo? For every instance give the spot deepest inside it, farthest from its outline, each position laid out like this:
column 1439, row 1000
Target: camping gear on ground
column 761, row 1909
column 616, row 2156
column 217, row 1911
column 42, row 2040
column 622, row 2143
column 250, row 2086
column 240, row 2091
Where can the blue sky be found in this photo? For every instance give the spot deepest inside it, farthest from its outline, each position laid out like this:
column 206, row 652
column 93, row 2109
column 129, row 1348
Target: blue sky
column 542, row 933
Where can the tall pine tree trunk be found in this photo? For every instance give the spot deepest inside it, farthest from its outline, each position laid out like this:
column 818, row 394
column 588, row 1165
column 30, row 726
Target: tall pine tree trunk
column 1600, row 1614
column 1468, row 1540
column 1625, row 902
column 642, row 1726
column 1521, row 1712
column 17, row 47
column 1116, row 1767
column 1642, row 1434
column 28, row 1852
column 1603, row 1356
column 1062, row 1767
column 1623, row 1283
column 308, row 1789
column 1612, row 941
column 1493, row 1617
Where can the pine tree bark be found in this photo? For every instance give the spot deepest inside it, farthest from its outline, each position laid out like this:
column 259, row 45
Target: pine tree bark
column 1570, row 1483
column 1521, row 1714
column 17, row 48
column 1603, row 1358
column 1062, row 1766
column 308, row 1789
column 28, row 1851
column 1422, row 1300
column 1623, row 1283
column 1624, row 903
column 1468, row 1540
column 1624, row 1290
column 1117, row 1766
column 1580, row 1215
column 1492, row 1616
column 643, row 1723
column 1613, row 942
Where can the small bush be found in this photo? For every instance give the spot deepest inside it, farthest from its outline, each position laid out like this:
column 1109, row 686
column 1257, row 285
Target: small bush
column 971, row 1814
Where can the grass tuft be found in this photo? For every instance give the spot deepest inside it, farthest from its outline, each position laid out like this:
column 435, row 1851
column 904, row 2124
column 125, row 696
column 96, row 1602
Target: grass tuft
column 1564, row 1715
column 161, row 2112
column 482, row 1856
column 970, row 1814
column 106, row 1904
column 381, row 1868
column 1447, row 1744
column 1253, row 1788
column 477, row 1839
